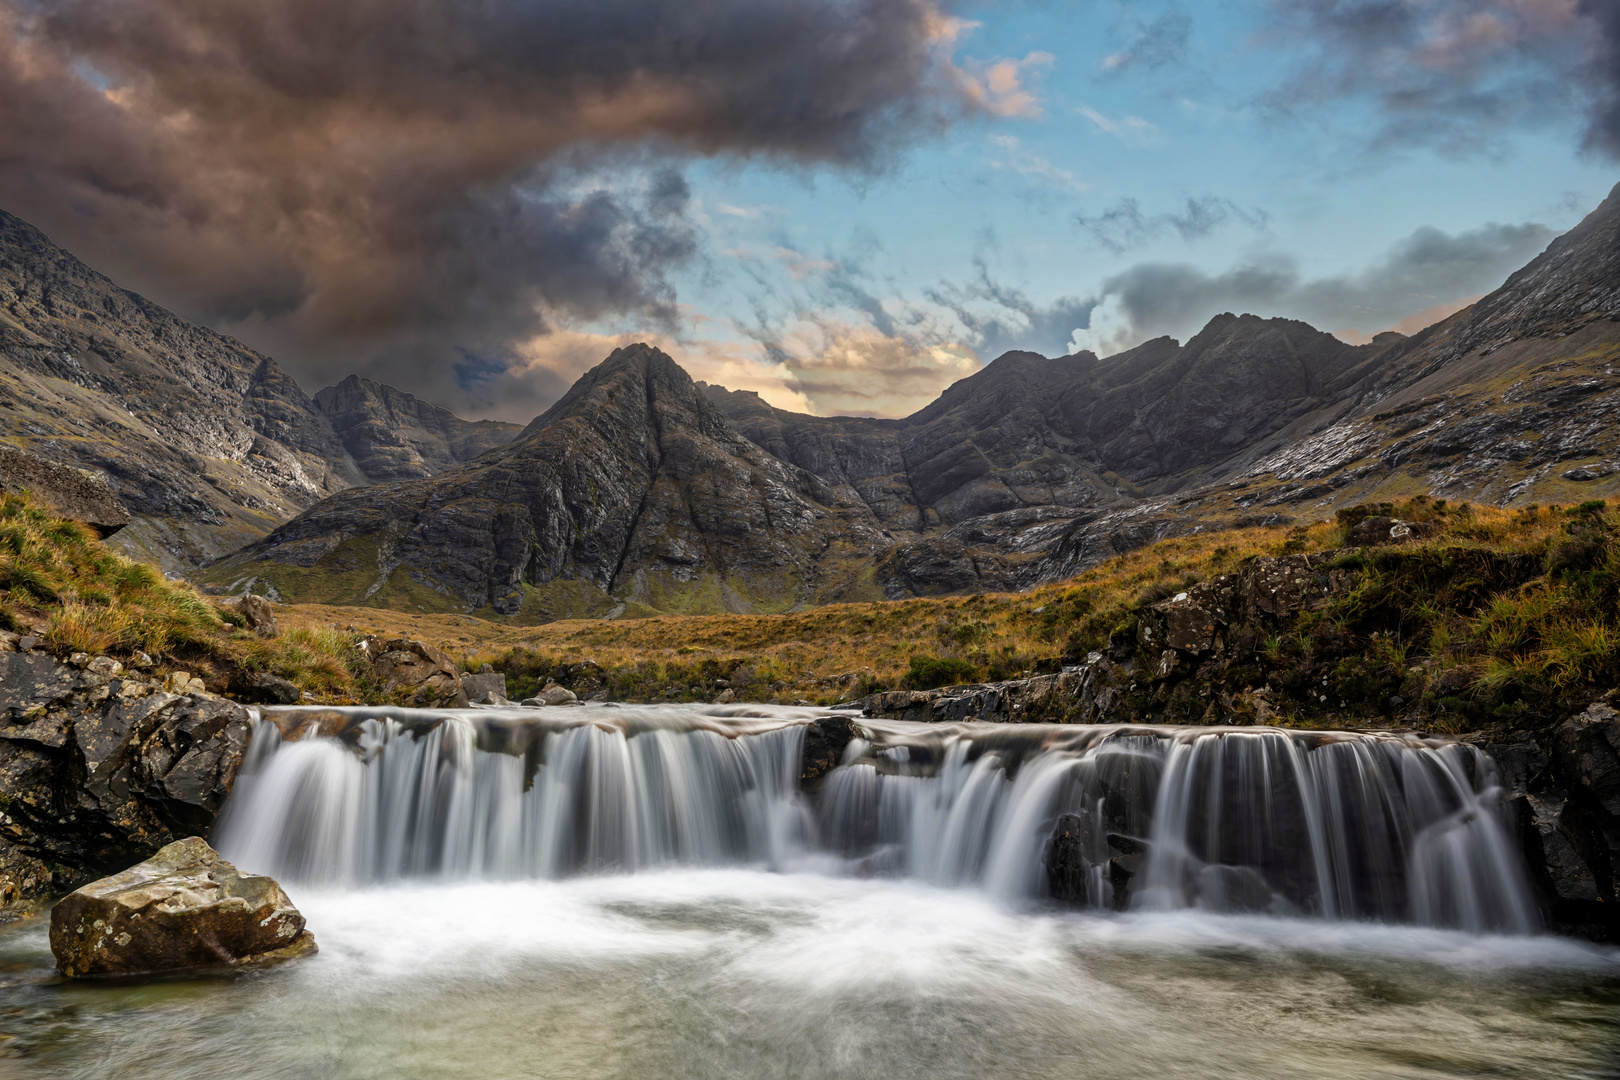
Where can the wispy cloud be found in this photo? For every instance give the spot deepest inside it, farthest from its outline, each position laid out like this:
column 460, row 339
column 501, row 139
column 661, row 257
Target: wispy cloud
column 1017, row 159
column 1124, row 226
column 1130, row 129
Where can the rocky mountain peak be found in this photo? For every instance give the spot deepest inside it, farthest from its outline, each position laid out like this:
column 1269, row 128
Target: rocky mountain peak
column 632, row 489
column 393, row 435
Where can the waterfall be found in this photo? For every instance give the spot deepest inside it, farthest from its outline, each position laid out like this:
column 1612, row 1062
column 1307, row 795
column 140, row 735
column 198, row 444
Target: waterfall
column 413, row 795
column 1334, row 825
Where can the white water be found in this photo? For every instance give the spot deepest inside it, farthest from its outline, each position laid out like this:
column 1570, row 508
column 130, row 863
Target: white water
column 699, row 974
column 1340, row 826
column 454, row 870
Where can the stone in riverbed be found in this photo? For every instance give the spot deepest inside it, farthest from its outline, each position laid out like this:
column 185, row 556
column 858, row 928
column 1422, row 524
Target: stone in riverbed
column 1066, row 871
column 183, row 909
column 552, row 695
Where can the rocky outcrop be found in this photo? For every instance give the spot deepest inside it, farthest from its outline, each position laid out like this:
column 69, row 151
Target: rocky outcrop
column 100, row 767
column 207, row 443
column 76, row 495
column 393, row 435
column 1563, row 793
column 184, row 909
column 418, row 673
column 633, row 489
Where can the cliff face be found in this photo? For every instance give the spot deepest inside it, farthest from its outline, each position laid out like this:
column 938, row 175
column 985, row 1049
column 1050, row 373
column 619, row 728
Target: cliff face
column 631, row 490
column 208, row 443
column 392, row 435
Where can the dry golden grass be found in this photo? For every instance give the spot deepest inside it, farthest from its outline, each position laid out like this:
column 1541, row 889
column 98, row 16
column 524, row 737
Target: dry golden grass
column 826, row 653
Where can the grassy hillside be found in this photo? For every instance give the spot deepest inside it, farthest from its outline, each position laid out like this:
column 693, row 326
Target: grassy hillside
column 60, row 583
column 1495, row 617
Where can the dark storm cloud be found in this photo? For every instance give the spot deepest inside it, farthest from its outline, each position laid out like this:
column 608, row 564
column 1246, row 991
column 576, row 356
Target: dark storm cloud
column 389, row 178
column 1424, row 271
column 1453, row 74
column 1124, row 226
column 1603, row 77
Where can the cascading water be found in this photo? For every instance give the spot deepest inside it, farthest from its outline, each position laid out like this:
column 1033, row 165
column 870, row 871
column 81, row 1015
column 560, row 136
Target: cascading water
column 412, row 794
column 1381, row 827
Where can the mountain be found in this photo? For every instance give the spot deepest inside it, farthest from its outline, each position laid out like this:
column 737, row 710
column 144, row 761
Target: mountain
column 208, row 443
column 642, row 489
column 980, row 484
column 392, row 435
column 631, row 490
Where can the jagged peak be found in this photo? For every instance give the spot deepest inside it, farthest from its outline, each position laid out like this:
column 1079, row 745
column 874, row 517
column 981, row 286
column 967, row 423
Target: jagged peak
column 657, row 374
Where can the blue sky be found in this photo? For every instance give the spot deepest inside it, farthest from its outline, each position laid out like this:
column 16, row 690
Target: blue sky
column 1023, row 202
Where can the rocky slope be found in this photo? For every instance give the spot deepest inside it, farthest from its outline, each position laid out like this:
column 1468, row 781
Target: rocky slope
column 633, row 489
column 392, row 435
column 208, row 443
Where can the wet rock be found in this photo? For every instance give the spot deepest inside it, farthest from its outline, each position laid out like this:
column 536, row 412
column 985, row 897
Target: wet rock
column 1122, row 870
column 183, row 909
column 97, row 773
column 1066, row 869
column 1552, row 848
column 260, row 615
column 825, row 739
column 725, row 697
column 425, row 676
column 263, row 688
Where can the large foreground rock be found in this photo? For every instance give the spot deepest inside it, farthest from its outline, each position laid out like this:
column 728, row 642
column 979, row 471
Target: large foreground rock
column 183, row 909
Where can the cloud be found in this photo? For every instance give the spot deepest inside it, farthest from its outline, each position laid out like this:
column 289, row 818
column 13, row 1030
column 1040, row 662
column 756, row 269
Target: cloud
column 1032, row 166
column 1453, row 75
column 1427, row 272
column 1160, row 43
column 1001, row 88
column 389, row 184
column 998, row 318
column 1130, row 129
column 1123, row 226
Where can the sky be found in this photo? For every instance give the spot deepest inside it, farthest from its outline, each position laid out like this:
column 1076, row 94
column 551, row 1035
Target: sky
column 844, row 205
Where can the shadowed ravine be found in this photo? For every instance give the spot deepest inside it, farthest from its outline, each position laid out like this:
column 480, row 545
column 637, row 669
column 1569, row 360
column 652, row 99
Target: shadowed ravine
column 1236, row 904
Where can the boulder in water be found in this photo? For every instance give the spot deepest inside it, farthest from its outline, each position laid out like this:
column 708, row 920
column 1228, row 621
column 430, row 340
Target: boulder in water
column 183, row 909
column 552, row 695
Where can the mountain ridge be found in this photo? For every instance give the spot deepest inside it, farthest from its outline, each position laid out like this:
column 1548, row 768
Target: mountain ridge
column 1027, row 471
column 208, row 442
